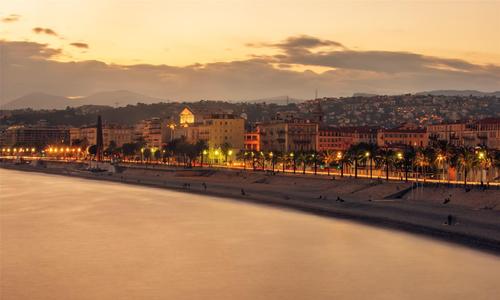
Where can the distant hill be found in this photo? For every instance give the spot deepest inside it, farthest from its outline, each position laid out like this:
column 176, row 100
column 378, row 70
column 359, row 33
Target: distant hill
column 108, row 98
column 463, row 93
column 280, row 100
column 38, row 101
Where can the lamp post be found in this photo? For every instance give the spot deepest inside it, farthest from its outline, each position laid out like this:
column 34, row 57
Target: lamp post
column 292, row 155
column 481, row 156
column 339, row 158
column 203, row 153
column 272, row 160
column 368, row 156
column 216, row 154
column 229, row 153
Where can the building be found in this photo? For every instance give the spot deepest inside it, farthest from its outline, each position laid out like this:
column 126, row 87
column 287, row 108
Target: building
column 218, row 130
column 152, row 132
column 402, row 136
column 251, row 141
column 485, row 132
column 87, row 135
column 450, row 132
column 288, row 136
column 341, row 138
column 35, row 135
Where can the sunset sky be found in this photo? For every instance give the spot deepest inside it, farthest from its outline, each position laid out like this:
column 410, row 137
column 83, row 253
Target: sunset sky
column 191, row 49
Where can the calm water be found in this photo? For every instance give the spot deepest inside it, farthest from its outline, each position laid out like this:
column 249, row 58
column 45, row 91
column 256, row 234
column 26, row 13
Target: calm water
column 66, row 238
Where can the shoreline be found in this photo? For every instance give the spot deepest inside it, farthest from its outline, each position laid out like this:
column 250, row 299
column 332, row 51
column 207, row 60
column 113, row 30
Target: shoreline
column 479, row 230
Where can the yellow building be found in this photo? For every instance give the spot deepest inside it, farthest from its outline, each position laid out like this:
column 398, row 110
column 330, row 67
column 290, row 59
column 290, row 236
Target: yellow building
column 218, row 130
column 186, row 116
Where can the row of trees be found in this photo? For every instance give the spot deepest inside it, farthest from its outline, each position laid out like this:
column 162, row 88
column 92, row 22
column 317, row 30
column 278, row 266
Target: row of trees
column 423, row 162
column 434, row 161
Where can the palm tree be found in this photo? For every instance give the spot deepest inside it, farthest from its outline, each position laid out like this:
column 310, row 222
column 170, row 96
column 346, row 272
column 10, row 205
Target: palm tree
column 242, row 155
column 444, row 153
column 316, row 158
column 329, row 157
column 369, row 155
column 147, row 154
column 408, row 160
column 201, row 147
column 424, row 158
column 355, row 154
column 485, row 160
column 273, row 158
column 303, row 158
column 225, row 149
column 385, row 157
column 466, row 160
column 284, row 160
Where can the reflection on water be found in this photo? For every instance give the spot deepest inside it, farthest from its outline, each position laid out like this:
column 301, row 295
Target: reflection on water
column 66, row 238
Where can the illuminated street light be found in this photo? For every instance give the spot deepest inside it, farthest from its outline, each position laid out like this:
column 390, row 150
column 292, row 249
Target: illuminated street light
column 367, row 154
column 204, row 152
column 400, row 155
column 230, row 152
column 481, row 155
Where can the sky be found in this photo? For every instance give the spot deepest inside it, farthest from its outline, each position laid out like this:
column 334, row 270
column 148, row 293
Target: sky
column 190, row 50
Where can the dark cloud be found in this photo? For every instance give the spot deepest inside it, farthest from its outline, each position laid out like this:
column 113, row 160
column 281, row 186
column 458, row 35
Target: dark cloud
column 30, row 67
column 306, row 42
column 299, row 42
column 22, row 51
column 40, row 30
column 303, row 50
column 11, row 18
column 80, row 45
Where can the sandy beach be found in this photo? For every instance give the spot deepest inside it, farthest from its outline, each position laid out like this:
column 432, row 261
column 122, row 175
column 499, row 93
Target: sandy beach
column 476, row 213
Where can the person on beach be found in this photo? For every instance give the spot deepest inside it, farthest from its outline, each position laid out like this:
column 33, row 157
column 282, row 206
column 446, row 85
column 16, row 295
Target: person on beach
column 204, row 186
column 450, row 220
column 243, row 192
